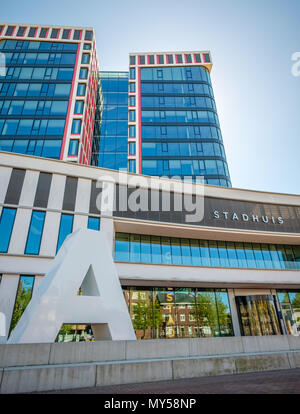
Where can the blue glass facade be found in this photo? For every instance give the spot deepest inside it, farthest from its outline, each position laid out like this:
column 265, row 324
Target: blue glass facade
column 114, row 128
column 34, row 96
column 190, row 252
column 181, row 134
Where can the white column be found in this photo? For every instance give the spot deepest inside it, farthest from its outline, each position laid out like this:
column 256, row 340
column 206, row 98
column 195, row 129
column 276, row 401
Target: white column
column 107, row 225
column 50, row 234
column 107, row 206
column 80, row 221
column 20, row 231
column 5, row 173
column 8, row 291
column 234, row 313
column 57, row 191
column 29, row 188
column 83, row 196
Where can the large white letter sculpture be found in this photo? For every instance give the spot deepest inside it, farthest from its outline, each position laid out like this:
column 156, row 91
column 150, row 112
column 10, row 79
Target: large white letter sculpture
column 84, row 260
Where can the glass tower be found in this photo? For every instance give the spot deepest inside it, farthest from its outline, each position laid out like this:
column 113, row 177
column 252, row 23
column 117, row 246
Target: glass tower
column 48, row 91
column 114, row 127
column 173, row 121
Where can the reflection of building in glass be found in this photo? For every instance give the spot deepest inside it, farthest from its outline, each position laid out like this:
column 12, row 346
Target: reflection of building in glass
column 179, row 313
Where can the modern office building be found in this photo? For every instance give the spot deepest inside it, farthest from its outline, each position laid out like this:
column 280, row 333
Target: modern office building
column 173, row 122
column 235, row 272
column 66, row 130
column 159, row 118
column 48, row 91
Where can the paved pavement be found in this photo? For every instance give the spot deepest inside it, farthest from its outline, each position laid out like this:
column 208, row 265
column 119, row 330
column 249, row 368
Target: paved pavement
column 269, row 382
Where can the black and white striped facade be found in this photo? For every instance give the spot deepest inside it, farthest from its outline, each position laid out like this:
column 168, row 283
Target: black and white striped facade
column 55, row 187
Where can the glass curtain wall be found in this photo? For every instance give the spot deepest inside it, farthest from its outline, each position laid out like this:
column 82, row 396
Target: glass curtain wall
column 114, row 128
column 190, row 252
column 290, row 309
column 181, row 134
column 159, row 313
column 258, row 315
column 34, row 96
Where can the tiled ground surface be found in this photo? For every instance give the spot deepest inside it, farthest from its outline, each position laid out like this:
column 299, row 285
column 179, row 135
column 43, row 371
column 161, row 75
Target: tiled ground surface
column 270, row 382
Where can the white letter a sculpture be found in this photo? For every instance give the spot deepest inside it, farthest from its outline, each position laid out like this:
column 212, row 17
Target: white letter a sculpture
column 83, row 260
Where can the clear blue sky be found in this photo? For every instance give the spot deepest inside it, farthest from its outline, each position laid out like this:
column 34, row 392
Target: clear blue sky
column 251, row 41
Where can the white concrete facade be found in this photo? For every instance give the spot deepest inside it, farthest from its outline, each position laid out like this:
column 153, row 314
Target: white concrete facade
column 237, row 281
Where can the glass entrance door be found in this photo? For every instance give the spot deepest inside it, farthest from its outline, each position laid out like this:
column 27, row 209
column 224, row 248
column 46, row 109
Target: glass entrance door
column 258, row 315
column 288, row 317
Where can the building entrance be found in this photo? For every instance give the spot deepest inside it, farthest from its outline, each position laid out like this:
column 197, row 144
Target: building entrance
column 258, row 315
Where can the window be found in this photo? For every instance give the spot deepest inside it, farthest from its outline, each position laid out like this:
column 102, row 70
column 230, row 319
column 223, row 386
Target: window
column 66, row 227
column 54, row 33
column 132, row 73
column 88, row 35
column 142, row 60
column 43, row 32
column 77, row 34
column 79, row 105
column 87, row 46
column 6, row 226
column 85, row 58
column 66, row 34
column 132, row 60
column 76, row 126
column 81, row 89
column 132, row 166
column 132, row 87
column 131, row 148
column 94, row 223
column 73, row 147
column 206, row 57
column 35, row 232
column 179, row 58
column 9, row 30
column 131, row 116
column 83, row 74
column 160, row 59
column 188, row 58
column 151, row 59
column 21, row 31
column 197, row 58
column 24, row 293
column 170, row 58
column 132, row 131
column 131, row 100
column 32, row 32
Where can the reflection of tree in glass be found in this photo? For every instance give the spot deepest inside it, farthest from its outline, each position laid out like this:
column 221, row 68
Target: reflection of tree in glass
column 205, row 313
column 23, row 298
column 296, row 301
column 146, row 316
column 223, row 316
column 208, row 317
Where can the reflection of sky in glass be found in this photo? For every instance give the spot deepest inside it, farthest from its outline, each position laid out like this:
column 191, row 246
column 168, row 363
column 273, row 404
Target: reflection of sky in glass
column 27, row 282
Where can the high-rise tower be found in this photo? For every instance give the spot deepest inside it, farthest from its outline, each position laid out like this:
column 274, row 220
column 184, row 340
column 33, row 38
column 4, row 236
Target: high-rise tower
column 48, row 91
column 173, row 121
